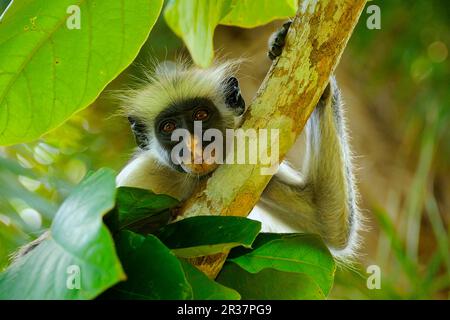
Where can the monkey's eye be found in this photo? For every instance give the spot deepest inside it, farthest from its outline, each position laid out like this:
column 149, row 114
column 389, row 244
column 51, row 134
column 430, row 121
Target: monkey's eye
column 168, row 126
column 201, row 115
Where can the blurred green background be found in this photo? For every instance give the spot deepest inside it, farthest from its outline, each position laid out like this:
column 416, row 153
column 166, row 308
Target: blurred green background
column 396, row 85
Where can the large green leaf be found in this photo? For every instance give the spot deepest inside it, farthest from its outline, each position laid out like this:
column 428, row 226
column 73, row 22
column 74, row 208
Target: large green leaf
column 269, row 284
column 204, row 235
column 79, row 244
column 153, row 272
column 195, row 21
column 204, row 288
column 137, row 207
column 253, row 13
column 48, row 71
column 299, row 253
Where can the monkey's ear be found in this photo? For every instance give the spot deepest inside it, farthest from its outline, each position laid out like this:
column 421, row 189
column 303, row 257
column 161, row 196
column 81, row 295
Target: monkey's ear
column 233, row 97
column 140, row 132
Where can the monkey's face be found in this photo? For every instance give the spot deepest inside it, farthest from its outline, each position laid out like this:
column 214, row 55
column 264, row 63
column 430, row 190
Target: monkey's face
column 190, row 133
column 180, row 131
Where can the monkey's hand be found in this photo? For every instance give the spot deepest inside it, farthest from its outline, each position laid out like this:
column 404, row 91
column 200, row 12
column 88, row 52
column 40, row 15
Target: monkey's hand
column 276, row 44
column 277, row 41
column 327, row 94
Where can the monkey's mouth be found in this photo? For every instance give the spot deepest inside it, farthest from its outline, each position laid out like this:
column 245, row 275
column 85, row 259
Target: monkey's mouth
column 197, row 161
column 200, row 164
column 199, row 169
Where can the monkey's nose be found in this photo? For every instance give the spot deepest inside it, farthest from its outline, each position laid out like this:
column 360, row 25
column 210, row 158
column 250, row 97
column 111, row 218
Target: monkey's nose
column 198, row 164
column 196, row 149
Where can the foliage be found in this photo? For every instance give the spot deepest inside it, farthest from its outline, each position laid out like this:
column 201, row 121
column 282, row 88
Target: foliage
column 204, row 16
column 79, row 239
column 299, row 253
column 261, row 285
column 250, row 14
column 195, row 20
column 153, row 272
column 300, row 263
column 60, row 70
column 137, row 207
column 205, row 235
column 11, row 237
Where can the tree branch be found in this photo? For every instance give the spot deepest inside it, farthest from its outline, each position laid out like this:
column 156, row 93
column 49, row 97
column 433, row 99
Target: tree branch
column 285, row 100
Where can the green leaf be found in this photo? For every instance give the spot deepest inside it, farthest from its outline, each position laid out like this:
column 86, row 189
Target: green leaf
column 195, row 21
column 153, row 272
column 12, row 166
column 140, row 207
column 3, row 5
column 269, row 284
column 253, row 13
column 205, row 235
column 299, row 253
column 11, row 238
column 12, row 187
column 48, row 71
column 205, row 288
column 78, row 239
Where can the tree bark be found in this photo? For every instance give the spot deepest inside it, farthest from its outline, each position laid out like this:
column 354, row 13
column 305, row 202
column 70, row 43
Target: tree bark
column 315, row 42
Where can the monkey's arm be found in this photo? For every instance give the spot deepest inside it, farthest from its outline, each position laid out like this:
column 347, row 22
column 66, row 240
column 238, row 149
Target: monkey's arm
column 146, row 172
column 324, row 202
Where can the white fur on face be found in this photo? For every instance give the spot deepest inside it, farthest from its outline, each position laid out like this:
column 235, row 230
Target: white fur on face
column 172, row 82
